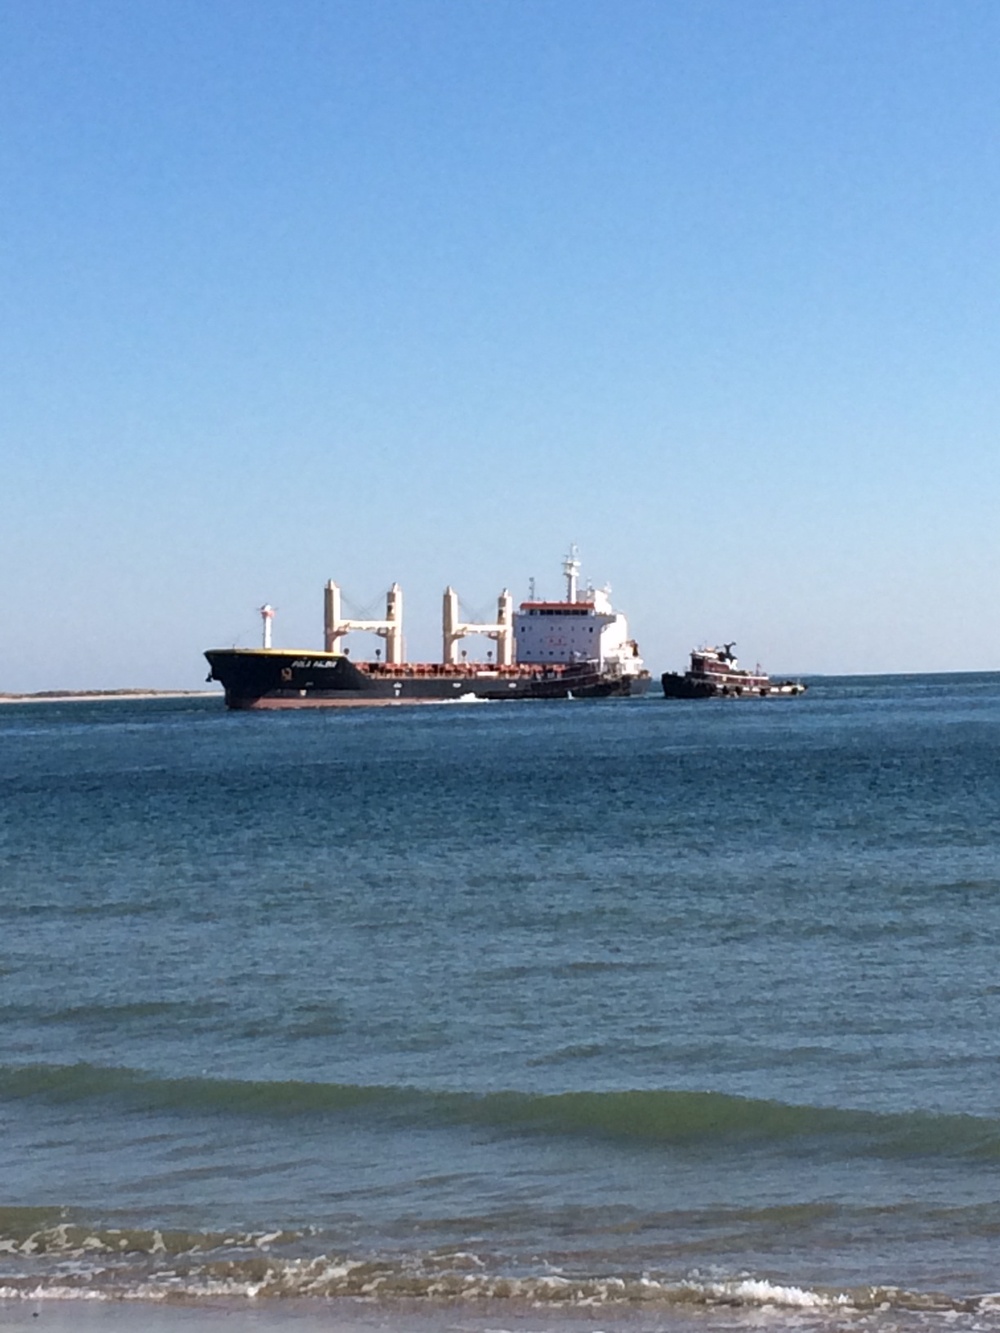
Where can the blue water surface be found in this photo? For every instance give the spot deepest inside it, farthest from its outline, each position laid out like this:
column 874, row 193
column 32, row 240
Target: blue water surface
column 792, row 906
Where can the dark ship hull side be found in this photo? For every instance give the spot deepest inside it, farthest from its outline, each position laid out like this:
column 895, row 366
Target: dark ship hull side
column 688, row 686
column 273, row 678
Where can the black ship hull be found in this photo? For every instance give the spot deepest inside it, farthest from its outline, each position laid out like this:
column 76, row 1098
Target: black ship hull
column 690, row 686
column 275, row 678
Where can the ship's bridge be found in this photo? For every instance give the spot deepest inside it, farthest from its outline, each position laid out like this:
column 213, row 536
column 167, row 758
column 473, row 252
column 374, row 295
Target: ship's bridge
column 582, row 630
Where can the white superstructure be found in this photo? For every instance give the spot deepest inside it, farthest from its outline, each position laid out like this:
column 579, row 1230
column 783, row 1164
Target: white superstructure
column 582, row 628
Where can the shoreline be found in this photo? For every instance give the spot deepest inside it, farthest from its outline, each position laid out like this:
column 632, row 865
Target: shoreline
column 95, row 696
column 361, row 1315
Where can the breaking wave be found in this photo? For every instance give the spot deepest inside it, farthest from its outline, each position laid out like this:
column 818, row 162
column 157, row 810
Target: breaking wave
column 65, row 1260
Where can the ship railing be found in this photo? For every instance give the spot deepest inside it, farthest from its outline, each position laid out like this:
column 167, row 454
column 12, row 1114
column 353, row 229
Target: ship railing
column 451, row 669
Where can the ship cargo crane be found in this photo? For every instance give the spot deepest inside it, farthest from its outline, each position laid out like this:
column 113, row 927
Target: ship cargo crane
column 390, row 629
column 502, row 630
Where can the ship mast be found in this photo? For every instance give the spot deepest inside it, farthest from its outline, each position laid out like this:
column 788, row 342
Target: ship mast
column 571, row 569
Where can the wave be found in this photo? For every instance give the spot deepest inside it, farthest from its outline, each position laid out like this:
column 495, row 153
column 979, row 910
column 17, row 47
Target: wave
column 111, row 1014
column 48, row 1254
column 667, row 1118
column 63, row 1260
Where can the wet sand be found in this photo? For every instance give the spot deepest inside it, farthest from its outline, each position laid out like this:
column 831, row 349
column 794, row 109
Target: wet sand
column 333, row 1316
column 69, row 1316
column 219, row 1315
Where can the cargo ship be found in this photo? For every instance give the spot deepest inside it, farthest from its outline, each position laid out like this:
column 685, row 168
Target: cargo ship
column 715, row 672
column 575, row 648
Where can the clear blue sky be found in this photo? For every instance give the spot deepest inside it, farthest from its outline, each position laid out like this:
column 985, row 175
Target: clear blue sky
column 369, row 290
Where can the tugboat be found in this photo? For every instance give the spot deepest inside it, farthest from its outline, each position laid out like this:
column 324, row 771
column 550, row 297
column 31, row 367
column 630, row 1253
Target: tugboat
column 715, row 673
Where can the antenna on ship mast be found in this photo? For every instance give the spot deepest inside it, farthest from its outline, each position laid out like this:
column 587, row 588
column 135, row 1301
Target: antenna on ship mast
column 267, row 615
column 571, row 569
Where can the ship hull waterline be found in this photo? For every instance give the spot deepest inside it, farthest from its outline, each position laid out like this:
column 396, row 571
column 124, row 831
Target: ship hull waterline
column 273, row 679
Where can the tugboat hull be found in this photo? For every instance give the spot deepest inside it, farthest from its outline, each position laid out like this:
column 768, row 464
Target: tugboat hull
column 676, row 686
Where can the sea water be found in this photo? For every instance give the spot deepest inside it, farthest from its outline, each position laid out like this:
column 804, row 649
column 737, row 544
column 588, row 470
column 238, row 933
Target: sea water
column 644, row 1010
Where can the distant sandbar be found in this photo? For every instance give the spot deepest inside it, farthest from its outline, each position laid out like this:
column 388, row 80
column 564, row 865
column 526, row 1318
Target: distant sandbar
column 89, row 696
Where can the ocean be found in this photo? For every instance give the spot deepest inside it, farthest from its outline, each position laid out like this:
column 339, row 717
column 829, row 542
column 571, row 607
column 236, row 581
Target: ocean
column 624, row 1014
